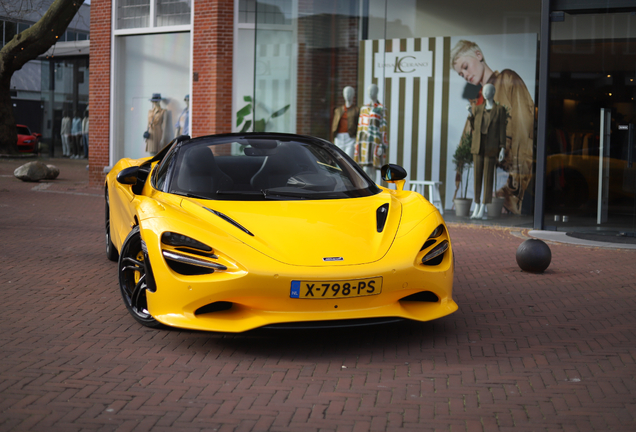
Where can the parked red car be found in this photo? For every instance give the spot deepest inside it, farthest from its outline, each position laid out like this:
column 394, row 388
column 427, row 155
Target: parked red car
column 27, row 141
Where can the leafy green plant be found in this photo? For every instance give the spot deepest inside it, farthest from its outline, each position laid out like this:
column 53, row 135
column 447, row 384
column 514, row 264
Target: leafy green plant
column 463, row 160
column 249, row 111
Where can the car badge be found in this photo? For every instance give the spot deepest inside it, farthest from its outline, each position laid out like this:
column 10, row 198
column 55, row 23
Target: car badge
column 333, row 259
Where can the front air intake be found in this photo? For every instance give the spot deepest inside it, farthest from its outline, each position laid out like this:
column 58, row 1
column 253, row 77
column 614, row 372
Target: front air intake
column 214, row 307
column 422, row 296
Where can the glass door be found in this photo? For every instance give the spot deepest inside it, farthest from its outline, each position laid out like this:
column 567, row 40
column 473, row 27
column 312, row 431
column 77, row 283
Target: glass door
column 591, row 172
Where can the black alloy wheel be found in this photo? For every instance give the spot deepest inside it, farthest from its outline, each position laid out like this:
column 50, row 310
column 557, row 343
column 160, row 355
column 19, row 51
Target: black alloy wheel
column 111, row 251
column 132, row 279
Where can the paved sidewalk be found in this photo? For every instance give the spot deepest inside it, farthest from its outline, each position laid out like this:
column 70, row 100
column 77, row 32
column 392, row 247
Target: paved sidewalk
column 525, row 352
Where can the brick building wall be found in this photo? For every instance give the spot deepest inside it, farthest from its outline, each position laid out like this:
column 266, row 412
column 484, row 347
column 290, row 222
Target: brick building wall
column 212, row 67
column 99, row 90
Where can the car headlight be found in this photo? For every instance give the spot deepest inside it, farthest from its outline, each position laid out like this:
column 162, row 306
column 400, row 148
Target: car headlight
column 174, row 239
column 190, row 257
column 27, row 141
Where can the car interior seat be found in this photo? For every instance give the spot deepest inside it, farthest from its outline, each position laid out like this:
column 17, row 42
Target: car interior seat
column 278, row 168
column 201, row 174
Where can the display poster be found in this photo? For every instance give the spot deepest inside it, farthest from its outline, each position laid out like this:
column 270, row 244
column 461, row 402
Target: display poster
column 426, row 103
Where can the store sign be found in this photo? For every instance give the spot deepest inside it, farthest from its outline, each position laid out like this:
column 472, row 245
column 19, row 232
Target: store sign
column 403, row 64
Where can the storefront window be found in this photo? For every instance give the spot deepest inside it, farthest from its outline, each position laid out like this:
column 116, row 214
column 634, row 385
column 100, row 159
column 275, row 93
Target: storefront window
column 133, row 14
column 247, row 11
column 64, row 93
column 396, row 58
column 138, row 13
column 10, row 30
column 173, row 12
column 153, row 73
column 590, row 169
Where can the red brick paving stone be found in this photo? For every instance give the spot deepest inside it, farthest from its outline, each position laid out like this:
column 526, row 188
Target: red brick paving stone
column 525, row 352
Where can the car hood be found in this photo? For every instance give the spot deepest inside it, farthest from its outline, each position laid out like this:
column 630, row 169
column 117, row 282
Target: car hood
column 307, row 233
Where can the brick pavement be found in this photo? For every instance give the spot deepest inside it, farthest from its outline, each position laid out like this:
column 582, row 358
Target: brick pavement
column 525, row 352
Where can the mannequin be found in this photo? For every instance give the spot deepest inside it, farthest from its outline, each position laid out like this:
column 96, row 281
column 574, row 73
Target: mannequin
column 85, row 134
column 345, row 123
column 489, row 138
column 371, row 139
column 65, row 133
column 157, row 122
column 182, row 126
column 76, row 134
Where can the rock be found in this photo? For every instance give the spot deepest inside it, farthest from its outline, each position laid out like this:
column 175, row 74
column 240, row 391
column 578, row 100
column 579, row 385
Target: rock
column 31, row 172
column 52, row 172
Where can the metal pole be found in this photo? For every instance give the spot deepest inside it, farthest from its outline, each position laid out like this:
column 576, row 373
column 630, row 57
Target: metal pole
column 544, row 63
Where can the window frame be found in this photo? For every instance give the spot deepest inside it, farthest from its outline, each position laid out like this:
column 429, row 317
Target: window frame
column 152, row 27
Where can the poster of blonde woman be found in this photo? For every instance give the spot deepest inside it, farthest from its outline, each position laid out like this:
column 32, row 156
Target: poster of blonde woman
column 508, row 62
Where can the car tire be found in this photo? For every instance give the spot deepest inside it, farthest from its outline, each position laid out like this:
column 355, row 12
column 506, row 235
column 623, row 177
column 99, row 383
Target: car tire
column 111, row 251
column 133, row 274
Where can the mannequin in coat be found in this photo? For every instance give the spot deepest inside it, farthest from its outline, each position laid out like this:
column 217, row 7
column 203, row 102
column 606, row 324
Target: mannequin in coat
column 157, row 124
column 489, row 140
column 345, row 123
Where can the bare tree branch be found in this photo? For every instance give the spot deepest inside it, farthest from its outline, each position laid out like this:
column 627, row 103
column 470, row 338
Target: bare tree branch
column 25, row 46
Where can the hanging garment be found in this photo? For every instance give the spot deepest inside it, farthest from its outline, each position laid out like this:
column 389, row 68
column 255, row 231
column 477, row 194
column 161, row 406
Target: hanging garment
column 371, row 140
column 156, row 125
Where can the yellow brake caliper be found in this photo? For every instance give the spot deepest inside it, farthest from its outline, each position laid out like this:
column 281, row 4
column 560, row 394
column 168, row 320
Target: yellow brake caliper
column 140, row 258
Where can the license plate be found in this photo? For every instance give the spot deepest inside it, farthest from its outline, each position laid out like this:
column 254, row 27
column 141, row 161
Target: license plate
column 336, row 289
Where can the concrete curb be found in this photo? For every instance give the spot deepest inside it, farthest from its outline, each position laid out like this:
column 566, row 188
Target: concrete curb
column 562, row 237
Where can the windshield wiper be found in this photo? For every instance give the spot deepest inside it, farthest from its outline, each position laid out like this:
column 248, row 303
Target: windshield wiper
column 268, row 192
column 191, row 195
column 230, row 192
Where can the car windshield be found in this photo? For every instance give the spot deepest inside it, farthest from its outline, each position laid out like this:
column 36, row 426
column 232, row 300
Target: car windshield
column 23, row 130
column 257, row 168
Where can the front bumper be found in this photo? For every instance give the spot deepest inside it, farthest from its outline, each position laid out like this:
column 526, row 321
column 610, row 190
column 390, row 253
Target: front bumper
column 258, row 288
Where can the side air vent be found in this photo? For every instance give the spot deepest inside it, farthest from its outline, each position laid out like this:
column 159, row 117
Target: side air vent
column 422, row 296
column 428, row 244
column 382, row 213
column 214, row 307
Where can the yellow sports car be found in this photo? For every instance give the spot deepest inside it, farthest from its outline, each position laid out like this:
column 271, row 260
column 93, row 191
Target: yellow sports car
column 238, row 231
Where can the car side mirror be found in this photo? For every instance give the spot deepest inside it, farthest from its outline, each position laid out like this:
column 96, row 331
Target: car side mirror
column 37, row 135
column 128, row 176
column 392, row 173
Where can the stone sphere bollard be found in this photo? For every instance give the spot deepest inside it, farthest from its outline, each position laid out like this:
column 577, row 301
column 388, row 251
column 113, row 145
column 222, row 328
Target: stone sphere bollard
column 533, row 256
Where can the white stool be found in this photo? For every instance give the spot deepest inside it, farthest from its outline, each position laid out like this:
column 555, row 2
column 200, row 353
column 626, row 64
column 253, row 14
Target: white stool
column 432, row 192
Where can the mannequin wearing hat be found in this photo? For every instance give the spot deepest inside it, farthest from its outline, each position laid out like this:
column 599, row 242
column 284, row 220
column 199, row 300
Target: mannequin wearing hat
column 183, row 123
column 157, row 122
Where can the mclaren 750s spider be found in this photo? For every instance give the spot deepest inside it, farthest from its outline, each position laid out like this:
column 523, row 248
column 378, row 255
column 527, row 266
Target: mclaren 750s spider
column 239, row 231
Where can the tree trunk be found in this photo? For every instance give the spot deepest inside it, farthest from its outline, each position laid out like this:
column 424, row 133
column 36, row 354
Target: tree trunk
column 25, row 46
column 8, row 131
